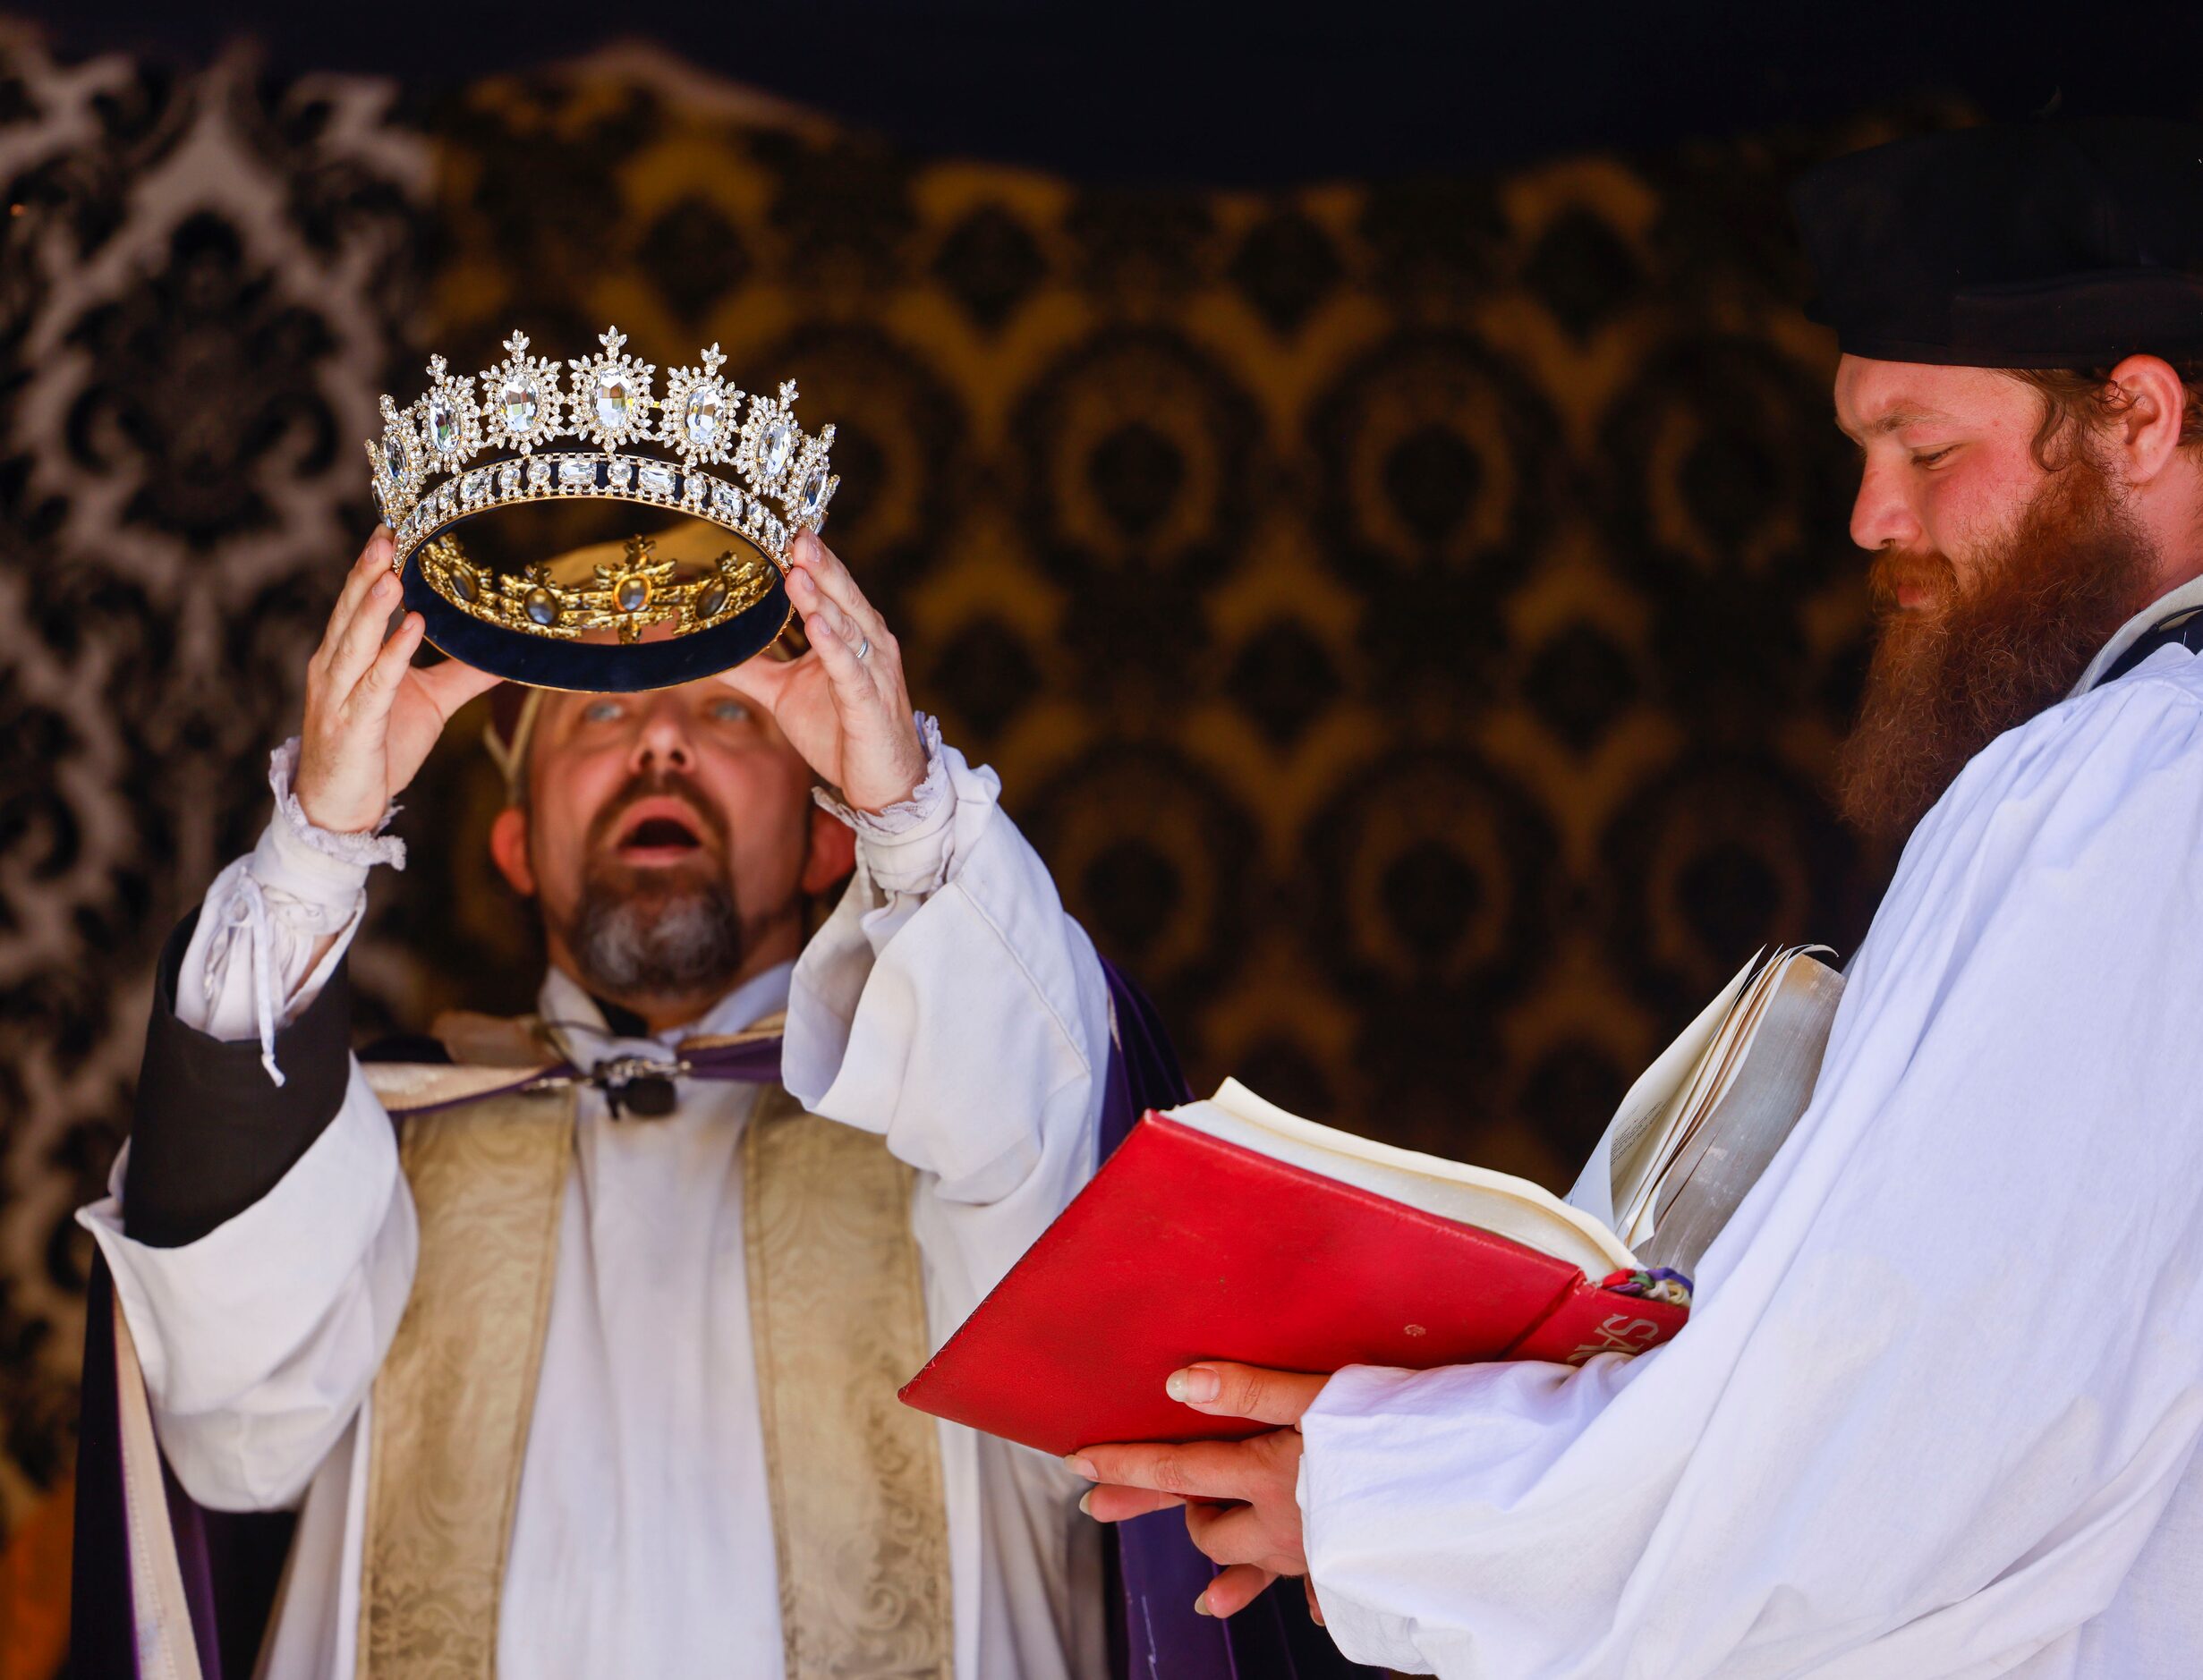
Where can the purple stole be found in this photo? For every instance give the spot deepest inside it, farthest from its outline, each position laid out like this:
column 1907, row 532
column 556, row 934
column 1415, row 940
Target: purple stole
column 230, row 1562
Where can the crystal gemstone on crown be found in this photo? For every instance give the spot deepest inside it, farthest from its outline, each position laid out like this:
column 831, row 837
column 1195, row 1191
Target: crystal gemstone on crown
column 774, row 448
column 701, row 416
column 813, row 496
column 615, row 400
column 393, row 457
column 522, row 402
column 443, row 422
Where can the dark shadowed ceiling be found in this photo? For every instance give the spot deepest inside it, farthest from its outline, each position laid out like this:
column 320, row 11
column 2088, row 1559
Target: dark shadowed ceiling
column 1258, row 93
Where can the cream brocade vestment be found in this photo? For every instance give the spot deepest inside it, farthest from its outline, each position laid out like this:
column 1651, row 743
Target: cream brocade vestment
column 838, row 1321
column 676, row 1385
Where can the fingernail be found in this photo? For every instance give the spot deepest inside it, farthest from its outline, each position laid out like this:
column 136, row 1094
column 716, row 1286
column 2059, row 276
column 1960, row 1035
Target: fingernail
column 1201, row 1606
column 1194, row 1383
column 1079, row 1466
column 1085, row 1503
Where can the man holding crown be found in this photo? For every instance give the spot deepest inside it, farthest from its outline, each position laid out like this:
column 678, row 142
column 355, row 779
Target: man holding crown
column 588, row 1365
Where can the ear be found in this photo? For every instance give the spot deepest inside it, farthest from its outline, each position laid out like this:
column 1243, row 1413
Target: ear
column 832, row 855
column 508, row 846
column 2151, row 420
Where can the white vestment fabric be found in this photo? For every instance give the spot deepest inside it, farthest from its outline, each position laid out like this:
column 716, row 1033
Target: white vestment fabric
column 948, row 1003
column 1937, row 1409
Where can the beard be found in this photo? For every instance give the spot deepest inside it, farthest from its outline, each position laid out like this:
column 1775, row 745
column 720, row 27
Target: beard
column 655, row 933
column 1948, row 677
column 673, row 940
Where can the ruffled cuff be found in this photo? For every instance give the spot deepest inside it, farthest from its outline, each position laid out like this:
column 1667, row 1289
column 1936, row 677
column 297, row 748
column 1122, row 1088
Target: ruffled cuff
column 905, row 846
column 357, row 852
column 300, row 883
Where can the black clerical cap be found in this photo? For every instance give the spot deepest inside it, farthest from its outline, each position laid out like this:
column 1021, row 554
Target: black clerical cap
column 2052, row 245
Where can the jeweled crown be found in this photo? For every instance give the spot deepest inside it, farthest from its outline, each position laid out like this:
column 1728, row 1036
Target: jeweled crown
column 471, row 443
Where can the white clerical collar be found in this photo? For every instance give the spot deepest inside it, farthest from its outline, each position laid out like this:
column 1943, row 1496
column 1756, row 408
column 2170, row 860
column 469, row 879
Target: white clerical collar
column 563, row 1001
column 2188, row 594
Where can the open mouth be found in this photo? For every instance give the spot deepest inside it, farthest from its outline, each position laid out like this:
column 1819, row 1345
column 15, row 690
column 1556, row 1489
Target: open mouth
column 660, row 831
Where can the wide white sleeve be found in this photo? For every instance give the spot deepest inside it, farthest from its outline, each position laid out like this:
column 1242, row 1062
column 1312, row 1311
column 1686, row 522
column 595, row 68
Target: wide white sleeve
column 261, row 1339
column 1941, row 1379
column 951, row 1005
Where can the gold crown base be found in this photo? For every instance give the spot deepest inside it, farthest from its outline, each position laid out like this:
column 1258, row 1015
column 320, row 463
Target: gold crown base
column 627, row 598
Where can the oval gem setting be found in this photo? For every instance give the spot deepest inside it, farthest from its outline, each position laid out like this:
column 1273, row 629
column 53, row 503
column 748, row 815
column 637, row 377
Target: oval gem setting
column 812, row 497
column 700, row 416
column 521, row 402
column 773, row 450
column 615, row 401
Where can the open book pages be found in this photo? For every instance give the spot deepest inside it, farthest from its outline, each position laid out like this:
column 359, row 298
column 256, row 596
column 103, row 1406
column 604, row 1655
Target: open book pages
column 1509, row 1207
column 1759, row 1102
column 1722, row 1096
column 1690, row 1138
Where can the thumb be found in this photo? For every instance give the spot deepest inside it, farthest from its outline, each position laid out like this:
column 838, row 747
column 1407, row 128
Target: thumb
column 760, row 678
column 1225, row 1390
column 452, row 683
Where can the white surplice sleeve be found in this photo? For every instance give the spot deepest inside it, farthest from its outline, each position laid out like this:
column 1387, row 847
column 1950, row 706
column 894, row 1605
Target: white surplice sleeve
column 259, row 1338
column 250, row 964
column 949, row 1004
column 1943, row 1377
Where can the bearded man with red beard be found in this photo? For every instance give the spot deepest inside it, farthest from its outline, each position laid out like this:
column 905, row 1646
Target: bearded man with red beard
column 2013, row 536
column 1937, row 1408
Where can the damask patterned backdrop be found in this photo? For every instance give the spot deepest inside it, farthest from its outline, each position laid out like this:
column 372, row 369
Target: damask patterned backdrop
column 1413, row 619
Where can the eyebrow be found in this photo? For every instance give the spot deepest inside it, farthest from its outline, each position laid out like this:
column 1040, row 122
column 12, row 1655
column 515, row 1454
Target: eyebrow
column 1895, row 420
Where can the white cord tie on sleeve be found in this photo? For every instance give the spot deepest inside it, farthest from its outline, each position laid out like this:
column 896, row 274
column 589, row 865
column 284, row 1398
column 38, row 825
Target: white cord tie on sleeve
column 247, row 916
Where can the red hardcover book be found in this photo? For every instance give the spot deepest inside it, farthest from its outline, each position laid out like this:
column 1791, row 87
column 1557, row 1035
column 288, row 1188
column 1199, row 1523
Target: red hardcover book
column 1190, row 1245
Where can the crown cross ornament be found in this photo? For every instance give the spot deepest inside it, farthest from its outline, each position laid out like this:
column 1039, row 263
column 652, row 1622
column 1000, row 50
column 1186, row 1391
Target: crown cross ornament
column 431, row 475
